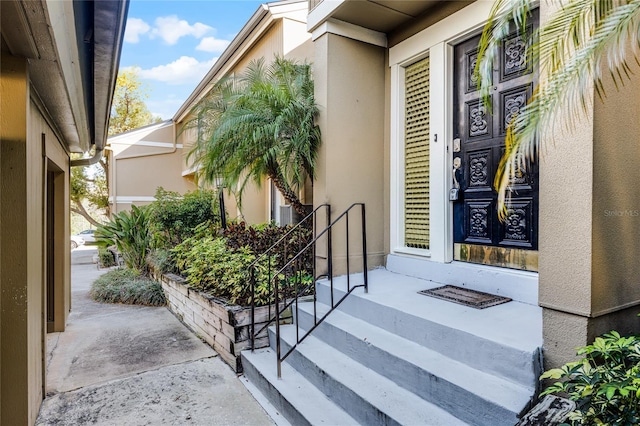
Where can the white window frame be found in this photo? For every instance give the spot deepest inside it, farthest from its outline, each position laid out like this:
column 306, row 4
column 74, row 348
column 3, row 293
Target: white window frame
column 436, row 42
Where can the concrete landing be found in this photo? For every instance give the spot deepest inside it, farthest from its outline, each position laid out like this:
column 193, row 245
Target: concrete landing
column 132, row 365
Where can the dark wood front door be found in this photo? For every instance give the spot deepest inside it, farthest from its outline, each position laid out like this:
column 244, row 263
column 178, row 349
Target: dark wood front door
column 479, row 134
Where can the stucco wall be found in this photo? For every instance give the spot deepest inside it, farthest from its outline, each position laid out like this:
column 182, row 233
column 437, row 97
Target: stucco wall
column 270, row 44
column 29, row 147
column 590, row 221
column 351, row 158
column 616, row 198
column 138, row 168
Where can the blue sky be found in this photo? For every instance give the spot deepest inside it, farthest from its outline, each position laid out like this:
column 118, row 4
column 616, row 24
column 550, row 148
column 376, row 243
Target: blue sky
column 174, row 43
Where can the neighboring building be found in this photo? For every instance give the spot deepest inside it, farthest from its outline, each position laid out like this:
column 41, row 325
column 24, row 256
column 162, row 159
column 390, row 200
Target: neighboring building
column 57, row 76
column 156, row 155
column 142, row 160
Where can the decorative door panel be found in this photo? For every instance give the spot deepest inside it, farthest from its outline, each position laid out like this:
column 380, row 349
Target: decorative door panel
column 479, row 133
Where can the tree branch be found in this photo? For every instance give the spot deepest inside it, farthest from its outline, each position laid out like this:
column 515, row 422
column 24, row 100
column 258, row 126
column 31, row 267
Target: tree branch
column 79, row 209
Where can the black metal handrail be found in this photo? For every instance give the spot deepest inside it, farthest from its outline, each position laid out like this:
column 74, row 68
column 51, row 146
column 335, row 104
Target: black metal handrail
column 295, row 266
column 281, row 247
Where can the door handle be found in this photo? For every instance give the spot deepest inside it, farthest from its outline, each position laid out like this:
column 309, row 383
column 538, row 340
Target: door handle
column 454, row 192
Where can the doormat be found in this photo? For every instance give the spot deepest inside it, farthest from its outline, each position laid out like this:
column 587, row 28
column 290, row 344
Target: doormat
column 464, row 296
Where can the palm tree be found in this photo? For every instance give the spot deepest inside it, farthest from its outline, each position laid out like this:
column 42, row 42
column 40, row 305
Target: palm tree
column 261, row 124
column 576, row 43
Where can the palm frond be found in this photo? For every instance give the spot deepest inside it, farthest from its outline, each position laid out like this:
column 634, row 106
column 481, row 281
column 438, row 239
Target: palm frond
column 580, row 40
column 260, row 124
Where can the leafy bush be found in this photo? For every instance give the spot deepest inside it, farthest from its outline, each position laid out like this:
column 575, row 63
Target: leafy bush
column 175, row 216
column 161, row 261
column 605, row 384
column 130, row 233
column 208, row 265
column 260, row 238
column 127, row 286
column 105, row 258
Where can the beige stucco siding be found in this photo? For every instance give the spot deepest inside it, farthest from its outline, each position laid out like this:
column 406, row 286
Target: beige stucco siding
column 15, row 346
column 29, row 147
column 292, row 48
column 616, row 198
column 269, row 45
column 589, row 222
column 143, row 175
column 351, row 157
column 143, row 160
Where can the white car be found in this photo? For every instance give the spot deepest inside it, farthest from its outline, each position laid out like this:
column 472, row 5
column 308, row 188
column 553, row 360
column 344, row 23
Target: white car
column 76, row 242
column 87, row 235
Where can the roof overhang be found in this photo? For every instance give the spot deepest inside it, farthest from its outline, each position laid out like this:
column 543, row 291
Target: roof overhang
column 73, row 49
column 378, row 15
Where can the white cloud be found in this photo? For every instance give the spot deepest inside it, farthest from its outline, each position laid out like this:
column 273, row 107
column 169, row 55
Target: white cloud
column 212, row 44
column 134, row 29
column 171, row 29
column 183, row 70
column 165, row 108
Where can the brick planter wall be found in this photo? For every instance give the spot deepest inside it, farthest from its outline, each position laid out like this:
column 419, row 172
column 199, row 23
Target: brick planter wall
column 224, row 327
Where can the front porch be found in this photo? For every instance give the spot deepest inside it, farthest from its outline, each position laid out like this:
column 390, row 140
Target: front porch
column 392, row 356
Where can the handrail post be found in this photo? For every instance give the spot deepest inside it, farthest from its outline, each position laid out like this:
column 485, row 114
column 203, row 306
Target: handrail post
column 252, row 280
column 314, row 262
column 365, row 270
column 278, row 350
column 347, row 243
column 330, row 255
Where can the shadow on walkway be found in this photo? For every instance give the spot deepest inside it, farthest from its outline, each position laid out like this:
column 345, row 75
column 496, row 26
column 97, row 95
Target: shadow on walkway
column 133, row 365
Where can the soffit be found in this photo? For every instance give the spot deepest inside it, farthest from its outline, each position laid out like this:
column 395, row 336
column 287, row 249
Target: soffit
column 28, row 32
column 382, row 15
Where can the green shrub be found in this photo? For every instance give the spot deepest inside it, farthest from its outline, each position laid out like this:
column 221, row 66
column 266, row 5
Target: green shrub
column 127, row 286
column 130, row 233
column 208, row 265
column 605, row 384
column 175, row 216
column 259, row 238
column 106, row 258
column 161, row 261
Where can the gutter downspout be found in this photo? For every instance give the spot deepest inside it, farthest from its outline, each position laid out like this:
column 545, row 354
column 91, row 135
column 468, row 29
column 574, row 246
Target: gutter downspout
column 97, row 156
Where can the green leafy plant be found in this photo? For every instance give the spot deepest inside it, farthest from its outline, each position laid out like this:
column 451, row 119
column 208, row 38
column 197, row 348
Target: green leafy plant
column 174, row 217
column 130, row 233
column 260, row 124
column 208, row 265
column 161, row 261
column 260, row 238
column 605, row 384
column 127, row 286
column 106, row 258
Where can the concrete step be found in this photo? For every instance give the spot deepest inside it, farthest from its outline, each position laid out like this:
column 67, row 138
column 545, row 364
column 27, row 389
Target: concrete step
column 300, row 402
column 472, row 395
column 367, row 396
column 503, row 340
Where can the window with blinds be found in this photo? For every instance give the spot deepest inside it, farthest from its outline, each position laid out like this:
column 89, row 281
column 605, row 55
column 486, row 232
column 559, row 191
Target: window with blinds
column 416, row 220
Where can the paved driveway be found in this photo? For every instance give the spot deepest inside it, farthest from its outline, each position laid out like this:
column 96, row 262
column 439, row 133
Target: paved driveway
column 132, row 365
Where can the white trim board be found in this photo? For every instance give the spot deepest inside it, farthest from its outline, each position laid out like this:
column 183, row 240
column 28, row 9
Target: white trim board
column 436, row 42
column 149, row 143
column 348, row 30
column 129, row 199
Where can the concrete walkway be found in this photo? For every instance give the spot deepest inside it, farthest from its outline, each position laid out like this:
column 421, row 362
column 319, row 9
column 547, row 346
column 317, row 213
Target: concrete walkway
column 133, row 365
